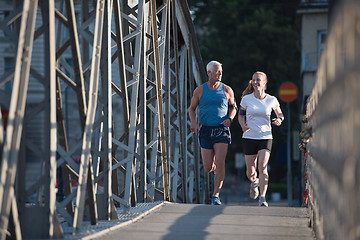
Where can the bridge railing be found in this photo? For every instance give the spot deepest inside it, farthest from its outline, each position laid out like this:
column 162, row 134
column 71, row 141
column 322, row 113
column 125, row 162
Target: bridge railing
column 332, row 132
column 97, row 114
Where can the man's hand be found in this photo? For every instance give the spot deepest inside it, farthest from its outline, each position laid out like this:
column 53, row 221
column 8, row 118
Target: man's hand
column 227, row 122
column 194, row 128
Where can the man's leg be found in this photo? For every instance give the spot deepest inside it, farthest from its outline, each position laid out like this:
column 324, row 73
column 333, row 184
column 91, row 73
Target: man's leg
column 208, row 157
column 264, row 156
column 220, row 150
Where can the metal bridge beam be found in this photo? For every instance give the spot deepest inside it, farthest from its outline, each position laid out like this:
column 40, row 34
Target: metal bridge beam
column 121, row 141
column 11, row 146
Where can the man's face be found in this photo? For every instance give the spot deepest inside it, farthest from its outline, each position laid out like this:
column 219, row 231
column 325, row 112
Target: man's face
column 216, row 73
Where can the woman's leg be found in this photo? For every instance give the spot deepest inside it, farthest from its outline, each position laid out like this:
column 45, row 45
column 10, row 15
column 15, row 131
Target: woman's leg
column 251, row 167
column 251, row 174
column 263, row 158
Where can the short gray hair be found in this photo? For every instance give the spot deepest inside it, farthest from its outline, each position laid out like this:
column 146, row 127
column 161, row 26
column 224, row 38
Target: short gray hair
column 211, row 64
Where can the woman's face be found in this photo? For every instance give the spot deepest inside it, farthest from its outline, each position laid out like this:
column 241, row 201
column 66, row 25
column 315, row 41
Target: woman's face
column 259, row 82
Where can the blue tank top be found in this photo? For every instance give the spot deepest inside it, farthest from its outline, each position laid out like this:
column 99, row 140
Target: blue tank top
column 213, row 106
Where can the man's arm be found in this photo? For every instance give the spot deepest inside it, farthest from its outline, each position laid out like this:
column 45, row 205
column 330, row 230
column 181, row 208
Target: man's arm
column 232, row 106
column 194, row 127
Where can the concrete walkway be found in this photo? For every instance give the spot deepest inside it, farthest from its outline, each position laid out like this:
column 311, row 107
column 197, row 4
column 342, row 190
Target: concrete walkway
column 197, row 221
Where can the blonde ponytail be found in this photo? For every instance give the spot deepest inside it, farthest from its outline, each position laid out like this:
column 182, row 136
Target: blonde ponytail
column 248, row 90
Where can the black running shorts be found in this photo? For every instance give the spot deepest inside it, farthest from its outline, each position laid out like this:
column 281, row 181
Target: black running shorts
column 253, row 146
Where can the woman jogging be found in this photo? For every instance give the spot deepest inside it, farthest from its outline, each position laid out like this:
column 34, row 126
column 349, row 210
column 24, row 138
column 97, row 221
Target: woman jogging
column 254, row 118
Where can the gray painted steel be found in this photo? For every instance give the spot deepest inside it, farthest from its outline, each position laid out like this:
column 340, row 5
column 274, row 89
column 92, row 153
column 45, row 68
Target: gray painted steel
column 108, row 88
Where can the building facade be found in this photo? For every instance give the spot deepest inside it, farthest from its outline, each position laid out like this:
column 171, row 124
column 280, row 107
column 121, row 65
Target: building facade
column 313, row 16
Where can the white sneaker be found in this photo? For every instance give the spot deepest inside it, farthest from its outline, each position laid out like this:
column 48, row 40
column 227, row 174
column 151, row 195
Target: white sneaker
column 254, row 189
column 262, row 202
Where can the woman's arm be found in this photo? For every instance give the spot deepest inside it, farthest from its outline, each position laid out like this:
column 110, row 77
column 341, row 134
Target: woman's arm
column 279, row 117
column 241, row 119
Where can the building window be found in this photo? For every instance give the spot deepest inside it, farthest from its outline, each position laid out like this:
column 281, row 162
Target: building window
column 314, row 1
column 9, row 66
column 321, row 42
column 9, row 26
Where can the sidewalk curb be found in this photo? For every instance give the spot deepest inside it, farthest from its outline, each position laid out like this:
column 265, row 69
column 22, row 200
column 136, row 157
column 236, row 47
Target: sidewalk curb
column 123, row 224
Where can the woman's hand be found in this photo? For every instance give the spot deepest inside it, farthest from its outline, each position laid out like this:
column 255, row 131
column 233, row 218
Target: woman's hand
column 245, row 128
column 277, row 121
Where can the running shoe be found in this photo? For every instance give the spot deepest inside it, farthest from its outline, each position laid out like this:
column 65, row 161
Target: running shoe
column 262, row 202
column 215, row 200
column 254, row 189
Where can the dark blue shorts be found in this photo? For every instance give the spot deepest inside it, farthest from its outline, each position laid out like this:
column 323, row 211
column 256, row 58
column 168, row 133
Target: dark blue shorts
column 210, row 135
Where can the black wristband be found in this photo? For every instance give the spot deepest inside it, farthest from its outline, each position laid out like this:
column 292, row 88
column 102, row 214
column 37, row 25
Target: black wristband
column 231, row 120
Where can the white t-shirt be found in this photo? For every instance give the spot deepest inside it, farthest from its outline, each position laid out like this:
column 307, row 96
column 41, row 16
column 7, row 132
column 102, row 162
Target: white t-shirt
column 258, row 113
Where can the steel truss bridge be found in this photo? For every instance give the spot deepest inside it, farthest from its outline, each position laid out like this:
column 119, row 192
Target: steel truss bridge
column 131, row 67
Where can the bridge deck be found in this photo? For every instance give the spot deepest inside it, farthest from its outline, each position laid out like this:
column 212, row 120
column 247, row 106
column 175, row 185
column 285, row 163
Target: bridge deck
column 197, row 221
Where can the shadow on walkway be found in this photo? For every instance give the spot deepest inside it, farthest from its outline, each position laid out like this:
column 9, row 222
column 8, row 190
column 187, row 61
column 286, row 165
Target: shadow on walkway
column 194, row 224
